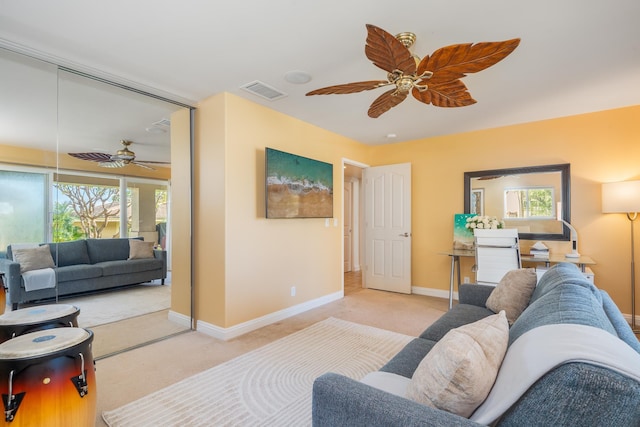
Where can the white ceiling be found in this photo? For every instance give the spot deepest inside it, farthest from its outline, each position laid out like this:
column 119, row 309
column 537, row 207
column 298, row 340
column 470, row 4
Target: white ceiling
column 575, row 56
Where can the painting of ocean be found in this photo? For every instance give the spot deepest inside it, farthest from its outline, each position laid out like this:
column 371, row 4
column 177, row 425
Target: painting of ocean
column 297, row 187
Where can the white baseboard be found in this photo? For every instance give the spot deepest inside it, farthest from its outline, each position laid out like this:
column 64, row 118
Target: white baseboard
column 430, row 292
column 180, row 319
column 237, row 330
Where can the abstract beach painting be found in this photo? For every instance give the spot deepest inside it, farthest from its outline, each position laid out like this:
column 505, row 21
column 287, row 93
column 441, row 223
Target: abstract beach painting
column 297, row 187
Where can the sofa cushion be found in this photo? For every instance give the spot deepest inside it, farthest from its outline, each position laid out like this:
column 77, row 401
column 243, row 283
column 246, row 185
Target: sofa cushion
column 561, row 274
column 33, row 258
column 544, row 349
column 565, row 303
column 112, row 268
column 513, row 292
column 101, row 250
column 459, row 315
column 70, row 253
column 139, row 249
column 459, row 371
column 386, row 381
column 407, row 360
column 77, row 272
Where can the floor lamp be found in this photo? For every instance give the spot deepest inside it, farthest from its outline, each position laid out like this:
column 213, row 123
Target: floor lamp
column 624, row 197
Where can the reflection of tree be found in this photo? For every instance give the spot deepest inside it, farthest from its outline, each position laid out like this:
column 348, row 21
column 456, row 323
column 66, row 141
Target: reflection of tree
column 530, row 203
column 63, row 228
column 160, row 199
column 93, row 205
column 540, row 202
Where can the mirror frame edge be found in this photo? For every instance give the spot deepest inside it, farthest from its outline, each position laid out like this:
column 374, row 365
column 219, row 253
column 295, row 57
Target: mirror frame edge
column 565, row 179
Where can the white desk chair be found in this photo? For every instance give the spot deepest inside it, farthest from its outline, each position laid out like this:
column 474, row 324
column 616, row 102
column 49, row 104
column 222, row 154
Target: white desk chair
column 497, row 252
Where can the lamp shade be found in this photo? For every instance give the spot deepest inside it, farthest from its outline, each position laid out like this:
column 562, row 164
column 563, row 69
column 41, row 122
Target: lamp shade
column 621, row 197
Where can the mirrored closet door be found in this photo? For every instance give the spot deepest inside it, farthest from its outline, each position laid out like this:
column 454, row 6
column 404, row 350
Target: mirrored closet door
column 85, row 159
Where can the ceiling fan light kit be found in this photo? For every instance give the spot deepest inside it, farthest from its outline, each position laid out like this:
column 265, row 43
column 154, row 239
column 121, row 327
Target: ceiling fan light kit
column 434, row 80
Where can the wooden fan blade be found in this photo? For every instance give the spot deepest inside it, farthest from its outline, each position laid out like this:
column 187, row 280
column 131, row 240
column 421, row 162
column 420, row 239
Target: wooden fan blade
column 385, row 102
column 455, row 61
column 387, row 52
column 94, row 157
column 448, row 94
column 349, row 87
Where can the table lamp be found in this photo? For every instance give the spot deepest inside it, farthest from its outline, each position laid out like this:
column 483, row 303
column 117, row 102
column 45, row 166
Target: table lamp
column 624, row 197
column 574, row 234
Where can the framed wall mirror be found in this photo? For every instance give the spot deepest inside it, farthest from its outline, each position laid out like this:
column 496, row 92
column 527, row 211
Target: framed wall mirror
column 530, row 199
column 50, row 197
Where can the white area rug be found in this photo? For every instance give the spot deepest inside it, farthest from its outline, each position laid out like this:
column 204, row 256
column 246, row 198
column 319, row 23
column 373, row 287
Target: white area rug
column 270, row 386
column 132, row 301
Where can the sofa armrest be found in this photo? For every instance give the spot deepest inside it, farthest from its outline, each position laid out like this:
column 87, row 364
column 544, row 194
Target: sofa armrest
column 341, row 401
column 474, row 294
column 12, row 276
column 161, row 254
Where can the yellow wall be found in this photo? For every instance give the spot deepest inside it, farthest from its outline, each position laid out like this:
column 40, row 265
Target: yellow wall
column 245, row 263
column 180, row 213
column 601, row 147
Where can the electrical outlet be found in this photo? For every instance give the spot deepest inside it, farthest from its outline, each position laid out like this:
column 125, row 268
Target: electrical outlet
column 293, row 291
column 466, row 279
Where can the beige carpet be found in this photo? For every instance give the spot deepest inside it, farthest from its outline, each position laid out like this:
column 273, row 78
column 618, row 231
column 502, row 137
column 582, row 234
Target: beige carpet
column 267, row 386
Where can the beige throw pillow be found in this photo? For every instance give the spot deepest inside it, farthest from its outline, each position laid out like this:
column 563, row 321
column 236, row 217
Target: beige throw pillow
column 459, row 371
column 139, row 249
column 33, row 258
column 513, row 293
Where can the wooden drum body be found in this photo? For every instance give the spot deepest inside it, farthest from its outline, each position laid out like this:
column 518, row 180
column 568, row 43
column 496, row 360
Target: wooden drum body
column 3, row 294
column 47, row 379
column 31, row 319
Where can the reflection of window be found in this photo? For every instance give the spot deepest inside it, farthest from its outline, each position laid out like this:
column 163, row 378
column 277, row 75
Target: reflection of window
column 529, row 202
column 23, row 207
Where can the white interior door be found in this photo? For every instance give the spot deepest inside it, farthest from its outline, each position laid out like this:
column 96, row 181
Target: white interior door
column 387, row 227
column 348, row 226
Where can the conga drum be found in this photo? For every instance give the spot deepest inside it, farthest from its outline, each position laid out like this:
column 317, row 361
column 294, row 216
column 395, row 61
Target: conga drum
column 37, row 318
column 47, row 379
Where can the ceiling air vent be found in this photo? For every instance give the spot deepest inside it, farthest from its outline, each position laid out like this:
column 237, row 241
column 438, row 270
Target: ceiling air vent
column 163, row 122
column 263, row 90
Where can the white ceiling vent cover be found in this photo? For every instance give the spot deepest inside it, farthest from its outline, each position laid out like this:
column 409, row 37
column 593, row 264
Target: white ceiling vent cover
column 162, row 122
column 263, row 90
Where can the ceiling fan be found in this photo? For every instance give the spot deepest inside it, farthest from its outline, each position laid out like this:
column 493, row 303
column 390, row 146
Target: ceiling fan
column 433, row 80
column 122, row 158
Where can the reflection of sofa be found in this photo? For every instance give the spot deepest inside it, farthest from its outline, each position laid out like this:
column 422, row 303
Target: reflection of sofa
column 85, row 266
column 566, row 313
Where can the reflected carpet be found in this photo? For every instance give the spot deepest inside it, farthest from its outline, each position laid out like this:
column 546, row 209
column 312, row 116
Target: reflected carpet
column 125, row 303
column 268, row 386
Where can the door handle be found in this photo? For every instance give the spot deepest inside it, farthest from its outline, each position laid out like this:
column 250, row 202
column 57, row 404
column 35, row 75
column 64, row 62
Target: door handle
column 405, row 235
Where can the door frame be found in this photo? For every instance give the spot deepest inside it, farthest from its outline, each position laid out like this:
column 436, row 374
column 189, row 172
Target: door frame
column 346, row 161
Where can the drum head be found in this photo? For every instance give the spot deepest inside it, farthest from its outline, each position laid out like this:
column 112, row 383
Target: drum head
column 37, row 314
column 40, row 343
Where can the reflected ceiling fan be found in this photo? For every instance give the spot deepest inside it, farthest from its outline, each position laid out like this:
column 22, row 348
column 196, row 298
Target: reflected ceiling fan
column 433, row 80
column 122, row 158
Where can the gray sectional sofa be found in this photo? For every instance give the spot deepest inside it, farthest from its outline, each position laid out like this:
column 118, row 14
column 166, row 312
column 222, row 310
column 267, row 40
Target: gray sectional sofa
column 84, row 266
column 574, row 392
